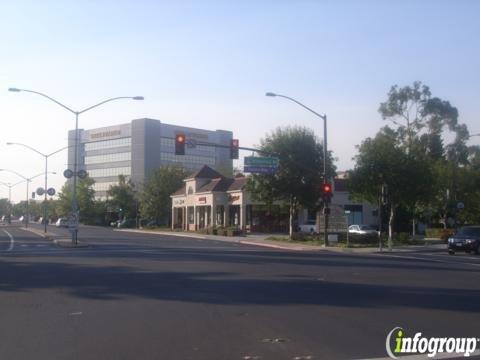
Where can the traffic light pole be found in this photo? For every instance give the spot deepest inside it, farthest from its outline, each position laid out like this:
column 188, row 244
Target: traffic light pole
column 327, row 203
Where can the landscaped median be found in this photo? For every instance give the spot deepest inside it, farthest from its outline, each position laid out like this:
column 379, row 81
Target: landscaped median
column 301, row 242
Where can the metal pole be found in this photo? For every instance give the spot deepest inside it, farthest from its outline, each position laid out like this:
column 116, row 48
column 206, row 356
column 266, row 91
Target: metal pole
column 325, row 152
column 45, row 198
column 27, row 216
column 74, row 197
column 380, row 201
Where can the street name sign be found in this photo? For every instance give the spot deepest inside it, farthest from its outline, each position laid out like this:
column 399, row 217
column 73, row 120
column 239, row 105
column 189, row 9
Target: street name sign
column 260, row 165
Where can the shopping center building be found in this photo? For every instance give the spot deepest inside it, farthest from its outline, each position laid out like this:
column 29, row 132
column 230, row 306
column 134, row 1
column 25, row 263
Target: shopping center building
column 138, row 148
column 209, row 199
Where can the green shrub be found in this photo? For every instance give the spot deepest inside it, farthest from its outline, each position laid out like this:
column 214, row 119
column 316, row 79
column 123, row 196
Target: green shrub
column 401, row 238
column 438, row 233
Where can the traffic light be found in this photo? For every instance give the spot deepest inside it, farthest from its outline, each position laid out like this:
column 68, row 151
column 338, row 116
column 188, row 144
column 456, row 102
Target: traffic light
column 234, row 149
column 326, row 192
column 179, row 144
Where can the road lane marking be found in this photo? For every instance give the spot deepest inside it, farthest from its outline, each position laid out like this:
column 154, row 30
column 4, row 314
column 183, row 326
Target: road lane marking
column 429, row 259
column 12, row 241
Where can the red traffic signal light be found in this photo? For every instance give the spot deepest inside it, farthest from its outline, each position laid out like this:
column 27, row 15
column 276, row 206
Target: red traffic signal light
column 326, row 188
column 179, row 144
column 234, row 144
column 326, row 192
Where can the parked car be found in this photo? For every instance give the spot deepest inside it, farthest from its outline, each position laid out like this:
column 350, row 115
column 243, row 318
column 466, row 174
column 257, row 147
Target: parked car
column 126, row 223
column 309, row 227
column 61, row 222
column 43, row 221
column 362, row 230
column 466, row 239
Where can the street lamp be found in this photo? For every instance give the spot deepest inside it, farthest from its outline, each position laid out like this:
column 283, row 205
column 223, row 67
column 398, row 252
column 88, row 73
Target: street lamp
column 76, row 113
column 46, row 156
column 9, row 185
column 28, row 180
column 324, row 118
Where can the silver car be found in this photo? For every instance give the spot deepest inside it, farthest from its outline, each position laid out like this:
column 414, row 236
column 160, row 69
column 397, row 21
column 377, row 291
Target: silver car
column 362, row 230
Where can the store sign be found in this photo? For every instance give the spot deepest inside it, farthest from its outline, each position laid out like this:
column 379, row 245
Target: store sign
column 202, row 200
column 232, row 198
column 104, row 134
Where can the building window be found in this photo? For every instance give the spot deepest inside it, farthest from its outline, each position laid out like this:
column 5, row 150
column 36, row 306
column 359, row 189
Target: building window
column 96, row 173
column 104, row 186
column 98, row 159
column 107, row 144
column 191, row 214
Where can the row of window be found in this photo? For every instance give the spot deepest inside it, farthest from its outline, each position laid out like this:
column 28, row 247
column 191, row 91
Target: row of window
column 98, row 159
column 104, row 186
column 184, row 159
column 107, row 144
column 169, row 146
column 96, row 173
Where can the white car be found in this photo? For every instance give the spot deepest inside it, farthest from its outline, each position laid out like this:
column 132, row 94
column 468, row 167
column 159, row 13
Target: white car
column 362, row 230
column 309, row 227
column 61, row 222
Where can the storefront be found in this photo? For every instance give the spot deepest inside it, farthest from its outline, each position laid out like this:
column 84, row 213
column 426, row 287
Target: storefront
column 209, row 199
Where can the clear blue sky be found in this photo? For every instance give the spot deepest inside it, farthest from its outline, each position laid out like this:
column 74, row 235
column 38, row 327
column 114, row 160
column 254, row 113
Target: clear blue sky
column 208, row 64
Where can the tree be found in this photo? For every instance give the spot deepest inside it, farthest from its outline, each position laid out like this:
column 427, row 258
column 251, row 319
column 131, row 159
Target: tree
column 381, row 161
column 299, row 176
column 413, row 109
column 122, row 197
column 85, row 199
column 155, row 201
column 5, row 207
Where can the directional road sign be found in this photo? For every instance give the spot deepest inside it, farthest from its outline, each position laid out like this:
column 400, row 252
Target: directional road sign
column 260, row 165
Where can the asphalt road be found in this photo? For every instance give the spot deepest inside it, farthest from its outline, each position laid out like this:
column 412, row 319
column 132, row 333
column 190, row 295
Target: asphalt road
column 140, row 296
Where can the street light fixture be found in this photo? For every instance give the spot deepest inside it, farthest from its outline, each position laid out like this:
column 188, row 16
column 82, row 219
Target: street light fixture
column 28, row 180
column 76, row 113
column 46, row 156
column 325, row 178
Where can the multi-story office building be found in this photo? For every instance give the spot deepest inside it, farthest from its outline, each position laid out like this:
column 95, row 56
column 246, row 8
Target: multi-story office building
column 138, row 148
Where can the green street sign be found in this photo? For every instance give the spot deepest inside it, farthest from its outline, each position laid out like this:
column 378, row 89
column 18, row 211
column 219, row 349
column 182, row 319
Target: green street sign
column 256, row 161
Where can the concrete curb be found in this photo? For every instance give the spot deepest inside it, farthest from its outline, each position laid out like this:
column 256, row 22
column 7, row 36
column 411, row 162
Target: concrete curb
column 63, row 243
column 39, row 233
column 196, row 236
column 67, row 243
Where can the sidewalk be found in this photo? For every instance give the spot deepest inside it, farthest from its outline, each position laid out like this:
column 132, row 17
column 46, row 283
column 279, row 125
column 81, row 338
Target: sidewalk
column 261, row 240
column 57, row 240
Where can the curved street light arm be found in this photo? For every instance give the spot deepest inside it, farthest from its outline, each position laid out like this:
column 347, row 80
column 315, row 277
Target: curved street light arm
column 299, row 103
column 39, row 152
column 108, row 100
column 43, row 173
column 46, row 96
column 27, row 146
column 57, row 151
column 11, row 185
column 16, row 173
